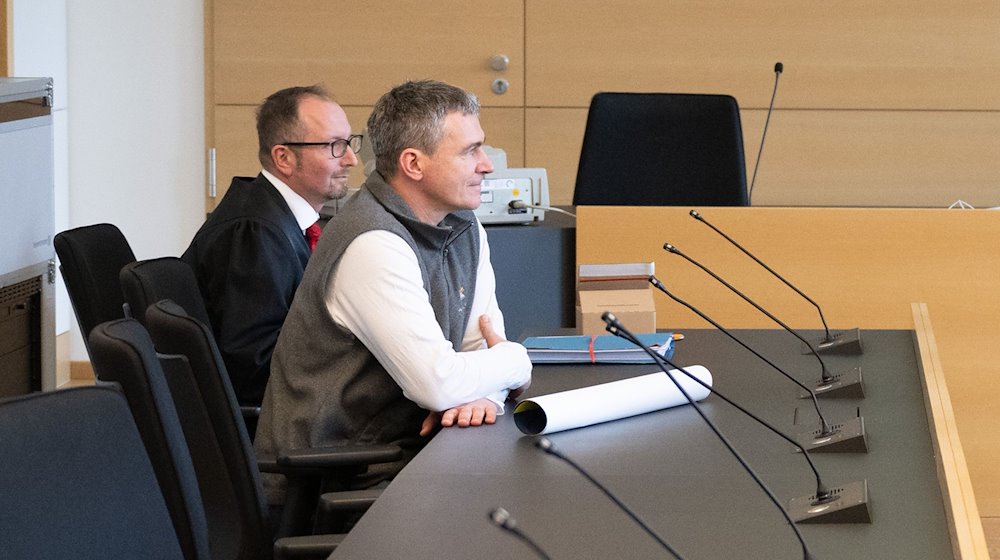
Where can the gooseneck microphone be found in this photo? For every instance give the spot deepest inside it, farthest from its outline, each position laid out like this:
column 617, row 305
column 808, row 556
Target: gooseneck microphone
column 846, row 342
column 502, row 518
column 839, row 385
column 821, row 490
column 702, row 219
column 546, row 445
column 847, row 436
column 825, row 426
column 778, row 69
column 845, row 504
column 615, row 327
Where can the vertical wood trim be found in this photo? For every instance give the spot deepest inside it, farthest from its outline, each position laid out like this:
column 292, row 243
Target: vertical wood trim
column 967, row 538
column 6, row 34
column 209, row 100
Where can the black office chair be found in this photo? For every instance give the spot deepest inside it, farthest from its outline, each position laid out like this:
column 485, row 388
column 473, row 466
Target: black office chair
column 90, row 258
column 146, row 282
column 227, row 482
column 662, row 149
column 76, row 481
column 307, row 470
column 122, row 353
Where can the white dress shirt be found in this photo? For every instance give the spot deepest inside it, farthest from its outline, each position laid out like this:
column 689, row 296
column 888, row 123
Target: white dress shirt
column 377, row 293
column 305, row 215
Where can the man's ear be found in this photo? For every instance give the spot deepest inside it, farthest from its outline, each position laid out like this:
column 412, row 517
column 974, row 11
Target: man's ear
column 411, row 163
column 284, row 159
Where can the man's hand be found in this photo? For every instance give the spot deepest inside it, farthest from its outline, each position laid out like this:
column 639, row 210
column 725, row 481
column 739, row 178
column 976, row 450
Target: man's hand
column 486, row 327
column 475, row 413
column 491, row 336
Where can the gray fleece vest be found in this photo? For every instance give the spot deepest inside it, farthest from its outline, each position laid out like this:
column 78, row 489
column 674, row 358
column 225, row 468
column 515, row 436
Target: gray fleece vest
column 327, row 388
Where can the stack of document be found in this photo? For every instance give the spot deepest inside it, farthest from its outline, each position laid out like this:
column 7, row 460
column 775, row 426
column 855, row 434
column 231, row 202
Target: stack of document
column 602, row 349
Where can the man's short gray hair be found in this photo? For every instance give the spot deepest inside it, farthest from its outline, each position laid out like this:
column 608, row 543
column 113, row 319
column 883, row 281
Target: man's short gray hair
column 411, row 115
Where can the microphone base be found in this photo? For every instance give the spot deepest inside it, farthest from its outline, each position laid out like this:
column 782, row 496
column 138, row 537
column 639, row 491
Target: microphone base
column 847, row 437
column 846, row 343
column 848, row 504
column 845, row 385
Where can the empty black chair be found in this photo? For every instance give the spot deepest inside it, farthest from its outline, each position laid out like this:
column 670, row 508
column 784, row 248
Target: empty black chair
column 146, row 282
column 90, row 258
column 122, row 353
column 662, row 149
column 235, row 516
column 174, row 332
column 76, row 481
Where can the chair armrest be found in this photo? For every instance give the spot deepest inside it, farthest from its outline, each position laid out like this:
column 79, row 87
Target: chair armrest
column 337, row 512
column 307, row 469
column 348, row 500
column 268, row 464
column 250, row 411
column 309, row 546
column 339, row 457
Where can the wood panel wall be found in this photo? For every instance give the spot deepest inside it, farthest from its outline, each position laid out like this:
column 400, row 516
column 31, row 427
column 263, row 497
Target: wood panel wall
column 895, row 103
column 887, row 104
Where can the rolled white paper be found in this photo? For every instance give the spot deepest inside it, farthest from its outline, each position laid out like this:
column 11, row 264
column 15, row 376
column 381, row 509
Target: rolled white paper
column 609, row 401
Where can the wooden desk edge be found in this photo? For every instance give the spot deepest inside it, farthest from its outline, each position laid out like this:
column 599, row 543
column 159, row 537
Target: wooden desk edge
column 965, row 525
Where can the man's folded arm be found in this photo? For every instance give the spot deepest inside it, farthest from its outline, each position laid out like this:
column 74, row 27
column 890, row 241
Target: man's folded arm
column 380, row 297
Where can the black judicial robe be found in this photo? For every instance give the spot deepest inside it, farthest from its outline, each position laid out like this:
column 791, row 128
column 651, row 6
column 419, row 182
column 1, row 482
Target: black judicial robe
column 249, row 257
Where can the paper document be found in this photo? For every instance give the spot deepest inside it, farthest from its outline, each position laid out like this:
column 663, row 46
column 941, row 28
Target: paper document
column 608, row 401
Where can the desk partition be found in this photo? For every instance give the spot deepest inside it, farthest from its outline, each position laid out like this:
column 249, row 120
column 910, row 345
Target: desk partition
column 863, row 266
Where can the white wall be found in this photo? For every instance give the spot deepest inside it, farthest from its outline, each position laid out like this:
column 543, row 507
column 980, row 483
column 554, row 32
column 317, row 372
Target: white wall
column 39, row 50
column 136, row 122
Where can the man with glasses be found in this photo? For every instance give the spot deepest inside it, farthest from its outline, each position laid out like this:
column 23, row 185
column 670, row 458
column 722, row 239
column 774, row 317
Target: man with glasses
column 395, row 329
column 250, row 254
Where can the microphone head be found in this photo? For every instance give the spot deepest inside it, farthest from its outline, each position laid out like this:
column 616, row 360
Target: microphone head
column 670, row 248
column 609, row 318
column 779, row 68
column 501, row 518
column 544, row 443
column 657, row 284
column 694, row 214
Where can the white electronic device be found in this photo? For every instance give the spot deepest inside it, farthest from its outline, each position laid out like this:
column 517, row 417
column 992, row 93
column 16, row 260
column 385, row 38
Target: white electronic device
column 513, row 196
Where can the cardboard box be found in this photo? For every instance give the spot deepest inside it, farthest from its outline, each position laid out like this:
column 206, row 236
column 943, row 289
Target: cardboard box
column 619, row 289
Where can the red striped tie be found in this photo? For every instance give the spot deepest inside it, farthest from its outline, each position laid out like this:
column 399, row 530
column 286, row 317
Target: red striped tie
column 312, row 235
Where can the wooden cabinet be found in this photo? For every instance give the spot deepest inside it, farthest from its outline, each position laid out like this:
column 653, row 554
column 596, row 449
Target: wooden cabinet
column 895, row 103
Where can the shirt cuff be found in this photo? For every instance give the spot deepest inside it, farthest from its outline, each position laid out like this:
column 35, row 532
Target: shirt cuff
column 499, row 398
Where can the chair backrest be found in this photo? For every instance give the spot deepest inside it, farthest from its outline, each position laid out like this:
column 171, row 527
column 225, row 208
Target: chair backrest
column 149, row 281
column 662, row 149
column 90, row 258
column 122, row 353
column 76, row 481
column 236, row 508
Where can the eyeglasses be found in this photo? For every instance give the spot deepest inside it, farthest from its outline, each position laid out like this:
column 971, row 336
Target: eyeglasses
column 337, row 148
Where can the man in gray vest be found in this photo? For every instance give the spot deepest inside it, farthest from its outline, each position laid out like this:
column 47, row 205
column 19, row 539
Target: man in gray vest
column 395, row 328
